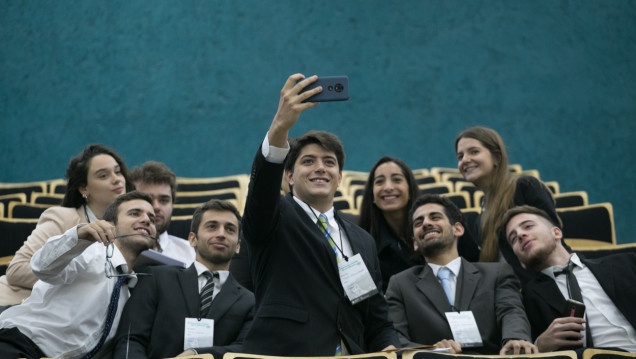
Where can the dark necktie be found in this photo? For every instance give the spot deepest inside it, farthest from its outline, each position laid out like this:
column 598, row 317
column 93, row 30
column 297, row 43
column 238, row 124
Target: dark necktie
column 574, row 291
column 207, row 293
column 110, row 316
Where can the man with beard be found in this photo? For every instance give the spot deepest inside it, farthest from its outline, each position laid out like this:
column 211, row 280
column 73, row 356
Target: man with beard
column 156, row 179
column 474, row 308
column 605, row 285
column 75, row 306
column 201, row 309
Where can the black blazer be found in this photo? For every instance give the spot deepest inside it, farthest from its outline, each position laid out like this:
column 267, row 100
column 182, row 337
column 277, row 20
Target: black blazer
column 301, row 307
column 616, row 275
column 159, row 304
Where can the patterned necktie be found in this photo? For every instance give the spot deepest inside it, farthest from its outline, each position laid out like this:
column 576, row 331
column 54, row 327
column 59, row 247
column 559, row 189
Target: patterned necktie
column 322, row 223
column 112, row 309
column 444, row 276
column 574, row 291
column 207, row 293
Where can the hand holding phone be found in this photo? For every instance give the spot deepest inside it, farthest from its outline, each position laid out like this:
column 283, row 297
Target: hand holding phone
column 334, row 88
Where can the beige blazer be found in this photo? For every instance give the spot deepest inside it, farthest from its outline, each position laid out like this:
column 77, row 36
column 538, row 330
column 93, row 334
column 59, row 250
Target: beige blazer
column 16, row 285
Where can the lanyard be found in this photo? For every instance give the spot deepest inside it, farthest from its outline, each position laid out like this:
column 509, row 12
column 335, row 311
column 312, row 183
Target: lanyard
column 339, row 247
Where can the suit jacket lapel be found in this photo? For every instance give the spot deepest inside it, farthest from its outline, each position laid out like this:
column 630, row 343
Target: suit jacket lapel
column 467, row 282
column 188, row 280
column 607, row 272
column 432, row 289
column 547, row 289
column 312, row 223
column 223, row 301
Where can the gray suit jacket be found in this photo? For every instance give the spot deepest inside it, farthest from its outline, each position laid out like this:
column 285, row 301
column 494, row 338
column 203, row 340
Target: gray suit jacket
column 417, row 304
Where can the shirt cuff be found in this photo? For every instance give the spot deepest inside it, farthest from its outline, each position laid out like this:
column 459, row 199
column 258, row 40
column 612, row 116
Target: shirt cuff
column 274, row 154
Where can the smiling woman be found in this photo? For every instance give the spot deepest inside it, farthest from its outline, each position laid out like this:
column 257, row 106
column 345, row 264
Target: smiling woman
column 96, row 176
column 482, row 160
column 388, row 195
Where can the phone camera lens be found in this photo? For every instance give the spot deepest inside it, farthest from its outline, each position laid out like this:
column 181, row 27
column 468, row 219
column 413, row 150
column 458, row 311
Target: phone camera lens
column 330, row 88
column 339, row 87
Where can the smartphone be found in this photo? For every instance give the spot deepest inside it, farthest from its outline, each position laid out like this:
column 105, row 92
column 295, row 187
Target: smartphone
column 573, row 308
column 334, row 88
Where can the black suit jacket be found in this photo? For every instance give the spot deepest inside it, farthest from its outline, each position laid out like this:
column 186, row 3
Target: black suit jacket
column 417, row 304
column 301, row 307
column 616, row 275
column 159, row 304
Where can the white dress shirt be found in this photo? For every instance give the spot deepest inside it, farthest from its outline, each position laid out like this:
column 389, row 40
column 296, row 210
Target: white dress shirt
column 66, row 312
column 454, row 266
column 608, row 325
column 202, row 279
column 177, row 248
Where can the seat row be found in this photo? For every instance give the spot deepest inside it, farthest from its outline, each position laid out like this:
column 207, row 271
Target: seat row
column 587, row 225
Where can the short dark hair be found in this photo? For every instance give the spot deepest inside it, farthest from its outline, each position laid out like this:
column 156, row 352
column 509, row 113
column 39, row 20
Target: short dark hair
column 110, row 214
column 326, row 140
column 77, row 173
column 519, row 210
column 213, row 205
column 450, row 209
column 154, row 172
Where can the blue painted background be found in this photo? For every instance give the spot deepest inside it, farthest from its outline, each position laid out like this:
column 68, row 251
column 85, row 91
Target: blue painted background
column 195, row 84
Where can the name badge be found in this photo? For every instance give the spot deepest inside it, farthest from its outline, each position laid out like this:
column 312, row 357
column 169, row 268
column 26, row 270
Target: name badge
column 356, row 280
column 464, row 328
column 198, row 333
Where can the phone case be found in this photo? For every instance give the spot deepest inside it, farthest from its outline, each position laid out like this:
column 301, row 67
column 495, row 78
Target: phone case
column 334, row 88
column 573, row 308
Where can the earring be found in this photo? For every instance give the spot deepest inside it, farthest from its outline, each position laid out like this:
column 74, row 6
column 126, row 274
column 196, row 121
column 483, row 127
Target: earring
column 85, row 196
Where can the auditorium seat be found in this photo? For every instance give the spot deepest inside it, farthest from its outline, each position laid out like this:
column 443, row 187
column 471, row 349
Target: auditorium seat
column 47, row 198
column 461, row 199
column 26, row 210
column 411, row 354
column 26, row 188
column 436, row 188
column 57, row 186
column 570, row 199
column 591, row 222
column 13, row 233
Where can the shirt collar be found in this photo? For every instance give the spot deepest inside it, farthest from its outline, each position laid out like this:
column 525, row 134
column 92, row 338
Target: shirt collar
column 91, row 215
column 118, row 261
column 455, row 265
column 201, row 268
column 314, row 213
column 550, row 270
column 163, row 240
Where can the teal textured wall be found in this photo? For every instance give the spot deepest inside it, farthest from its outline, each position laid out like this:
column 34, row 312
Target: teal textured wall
column 195, row 83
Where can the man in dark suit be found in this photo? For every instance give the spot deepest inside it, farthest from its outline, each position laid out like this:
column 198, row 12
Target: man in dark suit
column 302, row 308
column 424, row 308
column 607, row 287
column 171, row 301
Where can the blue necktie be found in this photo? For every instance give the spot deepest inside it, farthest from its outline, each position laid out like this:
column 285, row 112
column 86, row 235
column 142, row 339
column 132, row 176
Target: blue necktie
column 444, row 276
column 110, row 317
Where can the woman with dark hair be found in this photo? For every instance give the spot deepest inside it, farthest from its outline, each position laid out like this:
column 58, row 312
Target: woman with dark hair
column 482, row 160
column 388, row 194
column 96, row 176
